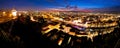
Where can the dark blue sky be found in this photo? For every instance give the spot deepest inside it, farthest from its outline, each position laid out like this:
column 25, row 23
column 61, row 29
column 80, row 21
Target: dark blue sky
column 21, row 4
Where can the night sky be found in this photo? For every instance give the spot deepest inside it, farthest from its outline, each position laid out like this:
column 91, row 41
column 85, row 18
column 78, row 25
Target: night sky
column 41, row 4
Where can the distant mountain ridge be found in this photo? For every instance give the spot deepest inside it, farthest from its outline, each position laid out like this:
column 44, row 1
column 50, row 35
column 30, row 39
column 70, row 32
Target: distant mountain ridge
column 113, row 9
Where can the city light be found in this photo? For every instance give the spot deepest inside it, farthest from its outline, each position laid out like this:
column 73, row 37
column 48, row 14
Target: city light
column 4, row 13
column 14, row 13
column 60, row 23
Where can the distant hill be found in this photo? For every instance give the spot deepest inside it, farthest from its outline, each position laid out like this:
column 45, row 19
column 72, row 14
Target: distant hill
column 113, row 9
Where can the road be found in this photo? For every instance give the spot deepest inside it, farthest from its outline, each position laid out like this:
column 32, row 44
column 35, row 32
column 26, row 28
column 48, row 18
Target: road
column 5, row 19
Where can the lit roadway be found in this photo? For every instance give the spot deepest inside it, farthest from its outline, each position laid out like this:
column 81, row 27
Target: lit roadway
column 5, row 19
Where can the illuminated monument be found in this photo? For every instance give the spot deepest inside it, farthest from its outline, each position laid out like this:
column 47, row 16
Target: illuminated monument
column 14, row 12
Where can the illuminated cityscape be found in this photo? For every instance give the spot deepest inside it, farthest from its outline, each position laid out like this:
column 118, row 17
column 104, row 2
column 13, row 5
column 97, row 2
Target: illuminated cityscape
column 60, row 24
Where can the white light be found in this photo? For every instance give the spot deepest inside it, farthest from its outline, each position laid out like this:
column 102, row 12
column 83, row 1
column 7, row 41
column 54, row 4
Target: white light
column 31, row 18
column 14, row 13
